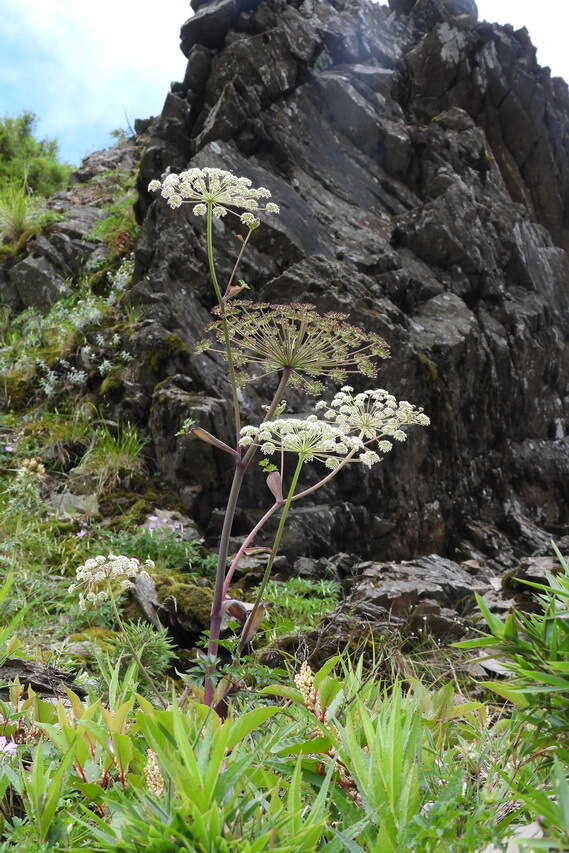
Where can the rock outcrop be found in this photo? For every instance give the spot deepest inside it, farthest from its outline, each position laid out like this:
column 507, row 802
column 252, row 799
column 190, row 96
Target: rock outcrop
column 420, row 159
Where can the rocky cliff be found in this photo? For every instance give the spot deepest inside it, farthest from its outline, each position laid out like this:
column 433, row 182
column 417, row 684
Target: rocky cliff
column 420, row 158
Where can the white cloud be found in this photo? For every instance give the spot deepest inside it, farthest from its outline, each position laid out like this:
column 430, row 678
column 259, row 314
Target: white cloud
column 89, row 64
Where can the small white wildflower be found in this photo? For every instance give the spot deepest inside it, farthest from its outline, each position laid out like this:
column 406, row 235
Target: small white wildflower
column 250, row 219
column 153, row 186
column 105, row 366
column 77, row 377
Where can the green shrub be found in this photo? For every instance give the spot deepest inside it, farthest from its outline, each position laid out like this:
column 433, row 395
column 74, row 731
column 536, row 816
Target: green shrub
column 534, row 648
column 27, row 160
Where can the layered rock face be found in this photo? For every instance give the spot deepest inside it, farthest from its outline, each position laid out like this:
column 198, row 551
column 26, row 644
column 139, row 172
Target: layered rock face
column 420, row 159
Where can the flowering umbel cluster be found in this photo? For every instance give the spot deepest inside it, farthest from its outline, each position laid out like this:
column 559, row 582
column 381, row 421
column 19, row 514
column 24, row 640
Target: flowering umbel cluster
column 373, row 414
column 217, row 187
column 312, row 439
column 297, row 338
column 100, row 576
column 352, row 423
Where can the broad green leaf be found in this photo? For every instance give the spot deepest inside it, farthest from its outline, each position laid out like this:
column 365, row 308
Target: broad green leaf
column 248, row 722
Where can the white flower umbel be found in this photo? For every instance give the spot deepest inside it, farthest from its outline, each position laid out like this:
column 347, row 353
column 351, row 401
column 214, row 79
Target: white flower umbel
column 373, row 415
column 217, row 187
column 311, row 439
column 99, row 576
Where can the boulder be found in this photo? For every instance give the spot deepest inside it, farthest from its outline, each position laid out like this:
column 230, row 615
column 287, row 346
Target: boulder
column 37, row 283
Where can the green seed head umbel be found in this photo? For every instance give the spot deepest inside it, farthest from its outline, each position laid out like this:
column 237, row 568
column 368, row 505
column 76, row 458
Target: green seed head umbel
column 295, row 337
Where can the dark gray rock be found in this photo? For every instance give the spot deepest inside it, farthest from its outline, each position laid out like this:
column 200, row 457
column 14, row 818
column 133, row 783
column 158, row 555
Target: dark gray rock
column 37, row 283
column 419, row 216
column 121, row 157
column 209, row 25
column 43, row 680
column 197, row 69
column 420, row 161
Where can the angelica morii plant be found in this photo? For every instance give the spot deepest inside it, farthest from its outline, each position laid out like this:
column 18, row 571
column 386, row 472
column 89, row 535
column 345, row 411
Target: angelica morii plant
column 303, row 348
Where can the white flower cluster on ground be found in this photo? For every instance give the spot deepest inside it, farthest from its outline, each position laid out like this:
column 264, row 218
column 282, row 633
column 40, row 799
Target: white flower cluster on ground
column 99, row 576
column 31, row 468
column 352, row 423
column 217, row 187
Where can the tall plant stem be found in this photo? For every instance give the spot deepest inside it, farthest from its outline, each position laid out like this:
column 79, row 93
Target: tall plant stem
column 219, row 592
column 274, row 551
column 226, row 336
column 241, row 464
column 135, row 654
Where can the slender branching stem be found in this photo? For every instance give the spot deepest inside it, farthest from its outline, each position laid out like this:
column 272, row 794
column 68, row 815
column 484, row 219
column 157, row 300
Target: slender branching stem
column 250, row 538
column 226, row 336
column 237, row 262
column 218, row 594
column 241, row 464
column 274, row 551
column 135, row 654
column 220, row 585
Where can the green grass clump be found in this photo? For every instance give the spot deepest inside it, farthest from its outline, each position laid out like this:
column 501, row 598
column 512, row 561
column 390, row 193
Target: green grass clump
column 167, row 550
column 114, row 455
column 118, row 229
column 22, row 213
column 534, row 649
column 329, row 761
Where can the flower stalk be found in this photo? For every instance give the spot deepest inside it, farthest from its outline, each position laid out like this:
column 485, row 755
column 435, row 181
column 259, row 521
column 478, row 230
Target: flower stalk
column 304, row 348
column 274, row 551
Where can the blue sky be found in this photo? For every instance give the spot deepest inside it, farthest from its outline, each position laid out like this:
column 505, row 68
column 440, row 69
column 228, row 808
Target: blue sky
column 83, row 67
column 87, row 68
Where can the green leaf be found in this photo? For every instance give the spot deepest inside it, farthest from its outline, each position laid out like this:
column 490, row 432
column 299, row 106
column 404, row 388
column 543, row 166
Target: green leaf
column 325, row 670
column 512, row 694
column 285, row 691
column 306, row 747
column 246, row 723
column 496, row 625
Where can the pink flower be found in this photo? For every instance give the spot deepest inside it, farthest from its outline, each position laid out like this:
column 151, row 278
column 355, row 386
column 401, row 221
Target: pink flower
column 8, row 747
column 81, row 533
